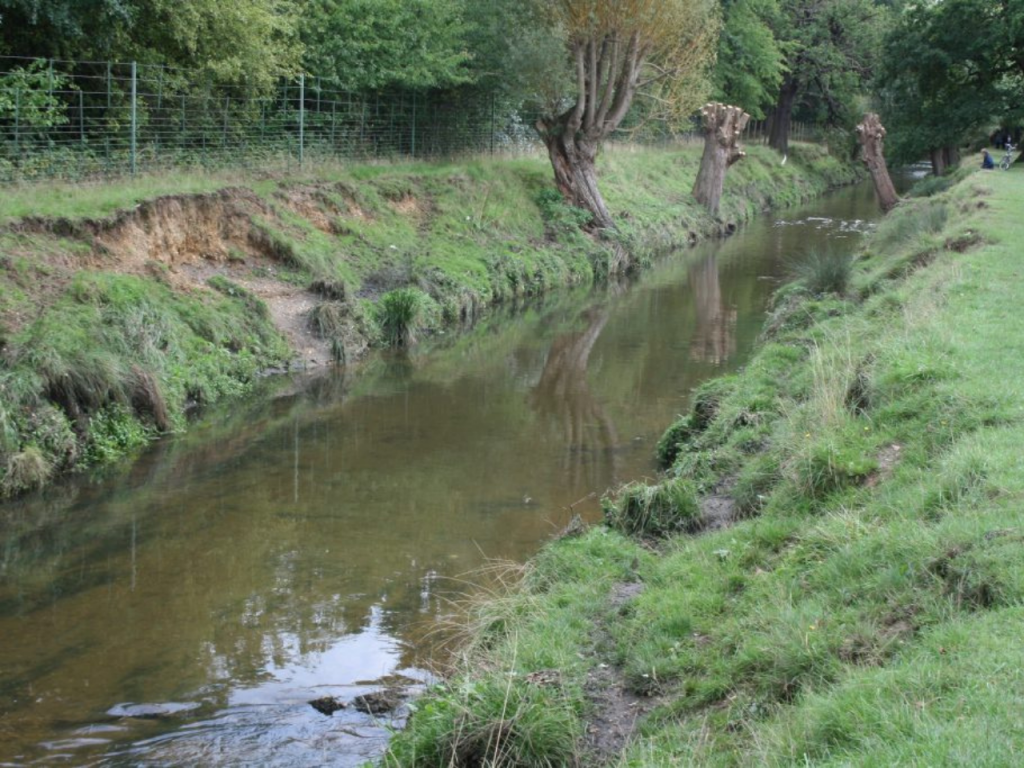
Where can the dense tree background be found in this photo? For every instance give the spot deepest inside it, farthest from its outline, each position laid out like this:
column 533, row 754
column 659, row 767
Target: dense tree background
column 952, row 73
column 943, row 73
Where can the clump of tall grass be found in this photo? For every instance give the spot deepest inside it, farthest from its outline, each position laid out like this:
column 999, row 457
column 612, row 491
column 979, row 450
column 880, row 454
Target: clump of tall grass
column 396, row 316
column 910, row 223
column 492, row 721
column 25, row 471
column 824, row 271
column 334, row 290
column 654, row 510
column 326, row 319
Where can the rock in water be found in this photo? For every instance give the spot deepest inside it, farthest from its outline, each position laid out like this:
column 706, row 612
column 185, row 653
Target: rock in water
column 327, row 705
column 379, row 702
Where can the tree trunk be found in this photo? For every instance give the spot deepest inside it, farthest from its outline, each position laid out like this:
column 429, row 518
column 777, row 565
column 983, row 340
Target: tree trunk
column 723, row 126
column 952, row 156
column 782, row 117
column 938, row 156
column 572, row 159
column 871, row 134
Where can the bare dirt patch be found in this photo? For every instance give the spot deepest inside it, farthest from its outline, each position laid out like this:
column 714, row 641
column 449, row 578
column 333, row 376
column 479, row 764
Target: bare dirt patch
column 888, row 458
column 717, row 512
column 407, row 206
column 184, row 240
column 615, row 709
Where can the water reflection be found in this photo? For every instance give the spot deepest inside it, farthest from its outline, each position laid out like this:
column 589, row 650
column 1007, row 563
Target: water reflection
column 306, row 545
column 714, row 339
column 563, row 397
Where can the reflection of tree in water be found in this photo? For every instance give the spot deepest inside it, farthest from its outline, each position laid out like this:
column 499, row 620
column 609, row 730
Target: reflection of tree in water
column 563, row 394
column 714, row 340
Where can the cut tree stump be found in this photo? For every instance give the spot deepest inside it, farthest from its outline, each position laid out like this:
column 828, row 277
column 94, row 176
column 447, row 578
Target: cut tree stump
column 871, row 134
column 723, row 126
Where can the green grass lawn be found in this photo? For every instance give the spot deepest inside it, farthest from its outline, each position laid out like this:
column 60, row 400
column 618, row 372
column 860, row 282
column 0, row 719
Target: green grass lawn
column 866, row 608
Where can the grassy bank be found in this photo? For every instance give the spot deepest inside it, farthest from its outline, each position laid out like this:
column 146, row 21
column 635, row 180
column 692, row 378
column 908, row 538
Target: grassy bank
column 125, row 306
column 861, row 607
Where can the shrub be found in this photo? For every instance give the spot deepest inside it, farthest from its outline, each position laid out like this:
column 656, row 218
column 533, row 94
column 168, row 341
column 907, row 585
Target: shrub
column 654, row 510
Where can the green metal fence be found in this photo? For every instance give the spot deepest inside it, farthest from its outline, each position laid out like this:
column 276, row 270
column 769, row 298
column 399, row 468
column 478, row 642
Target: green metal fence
column 81, row 119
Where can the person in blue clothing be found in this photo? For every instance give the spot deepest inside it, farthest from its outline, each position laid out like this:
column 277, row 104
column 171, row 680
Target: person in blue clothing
column 986, row 160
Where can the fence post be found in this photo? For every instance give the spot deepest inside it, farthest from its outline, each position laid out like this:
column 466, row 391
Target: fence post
column 492, row 123
column 106, row 133
column 135, row 93
column 17, row 123
column 413, row 142
column 81, row 117
column 302, row 118
column 334, row 116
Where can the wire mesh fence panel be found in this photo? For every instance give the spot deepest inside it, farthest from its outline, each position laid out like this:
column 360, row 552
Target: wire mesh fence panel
column 81, row 119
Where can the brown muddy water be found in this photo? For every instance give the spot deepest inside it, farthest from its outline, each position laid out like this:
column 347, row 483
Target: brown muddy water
column 184, row 610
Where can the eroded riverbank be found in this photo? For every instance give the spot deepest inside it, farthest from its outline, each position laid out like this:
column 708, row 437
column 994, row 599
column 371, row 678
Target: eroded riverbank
column 118, row 322
column 277, row 554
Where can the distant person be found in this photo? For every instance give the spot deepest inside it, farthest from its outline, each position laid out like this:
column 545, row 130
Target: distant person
column 986, row 160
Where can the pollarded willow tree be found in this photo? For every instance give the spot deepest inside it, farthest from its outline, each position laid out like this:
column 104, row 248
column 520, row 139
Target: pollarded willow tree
column 619, row 50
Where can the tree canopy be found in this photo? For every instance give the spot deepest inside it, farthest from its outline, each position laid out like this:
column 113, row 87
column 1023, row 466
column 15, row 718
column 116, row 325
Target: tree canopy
column 374, row 44
column 618, row 49
column 951, row 70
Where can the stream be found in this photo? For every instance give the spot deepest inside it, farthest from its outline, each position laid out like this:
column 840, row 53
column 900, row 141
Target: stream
column 184, row 608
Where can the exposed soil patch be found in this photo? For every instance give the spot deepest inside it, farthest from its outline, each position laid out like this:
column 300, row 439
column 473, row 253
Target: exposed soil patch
column 615, row 708
column 317, row 207
column 184, row 240
column 888, row 458
column 717, row 512
column 965, row 242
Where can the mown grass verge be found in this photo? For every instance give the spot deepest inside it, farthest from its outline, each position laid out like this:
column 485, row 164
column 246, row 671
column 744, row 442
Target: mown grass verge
column 864, row 607
column 119, row 313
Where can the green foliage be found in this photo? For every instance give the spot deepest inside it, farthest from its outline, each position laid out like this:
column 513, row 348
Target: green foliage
column 247, row 43
column 749, row 67
column 28, row 96
column 113, row 432
column 831, row 49
column 639, row 509
column 376, row 44
column 944, row 83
